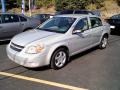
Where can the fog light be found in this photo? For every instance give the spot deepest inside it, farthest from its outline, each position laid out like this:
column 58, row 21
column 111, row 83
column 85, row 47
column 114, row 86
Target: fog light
column 32, row 64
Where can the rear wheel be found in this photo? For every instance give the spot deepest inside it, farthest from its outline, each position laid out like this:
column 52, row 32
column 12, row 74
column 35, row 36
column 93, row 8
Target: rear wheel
column 59, row 58
column 103, row 42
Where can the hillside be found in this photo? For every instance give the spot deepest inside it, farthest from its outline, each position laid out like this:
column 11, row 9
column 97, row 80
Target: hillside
column 109, row 8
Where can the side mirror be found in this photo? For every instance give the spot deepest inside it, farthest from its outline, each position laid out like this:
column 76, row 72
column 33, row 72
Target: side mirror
column 77, row 31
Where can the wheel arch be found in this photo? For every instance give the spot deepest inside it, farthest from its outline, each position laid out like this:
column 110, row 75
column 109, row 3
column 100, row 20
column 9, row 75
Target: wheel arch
column 53, row 49
column 106, row 34
column 27, row 29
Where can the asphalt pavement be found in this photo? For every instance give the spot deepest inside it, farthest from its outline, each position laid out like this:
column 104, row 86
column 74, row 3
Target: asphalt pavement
column 94, row 69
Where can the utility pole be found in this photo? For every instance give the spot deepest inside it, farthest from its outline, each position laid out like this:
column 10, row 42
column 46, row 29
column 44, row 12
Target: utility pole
column 23, row 6
column 30, row 12
column 3, row 6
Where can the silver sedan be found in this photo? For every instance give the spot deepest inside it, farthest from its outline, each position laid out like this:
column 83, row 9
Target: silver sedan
column 12, row 24
column 57, row 39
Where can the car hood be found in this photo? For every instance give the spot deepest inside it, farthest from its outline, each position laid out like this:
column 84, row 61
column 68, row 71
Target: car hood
column 30, row 36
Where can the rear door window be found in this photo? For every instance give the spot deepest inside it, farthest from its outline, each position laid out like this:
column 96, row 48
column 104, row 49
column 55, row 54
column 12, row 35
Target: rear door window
column 9, row 18
column 95, row 22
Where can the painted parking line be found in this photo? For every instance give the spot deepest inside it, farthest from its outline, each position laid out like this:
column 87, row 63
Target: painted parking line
column 41, row 81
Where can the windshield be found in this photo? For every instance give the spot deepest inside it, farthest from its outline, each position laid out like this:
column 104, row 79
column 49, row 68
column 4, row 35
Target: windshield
column 65, row 12
column 116, row 16
column 57, row 24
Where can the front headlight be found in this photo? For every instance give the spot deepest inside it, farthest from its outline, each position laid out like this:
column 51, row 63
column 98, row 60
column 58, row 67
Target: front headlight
column 112, row 27
column 35, row 49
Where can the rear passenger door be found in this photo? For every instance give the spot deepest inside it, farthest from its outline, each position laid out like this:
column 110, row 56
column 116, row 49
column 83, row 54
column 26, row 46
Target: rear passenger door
column 96, row 29
column 10, row 25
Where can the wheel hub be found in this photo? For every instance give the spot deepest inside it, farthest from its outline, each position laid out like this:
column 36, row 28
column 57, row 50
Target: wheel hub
column 60, row 59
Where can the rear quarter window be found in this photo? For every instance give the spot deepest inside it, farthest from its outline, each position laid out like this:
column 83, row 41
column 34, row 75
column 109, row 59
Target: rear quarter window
column 22, row 19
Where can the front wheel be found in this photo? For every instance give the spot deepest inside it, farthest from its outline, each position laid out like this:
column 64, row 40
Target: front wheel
column 103, row 42
column 59, row 58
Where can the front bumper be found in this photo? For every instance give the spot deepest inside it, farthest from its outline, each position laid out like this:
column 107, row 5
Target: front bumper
column 27, row 60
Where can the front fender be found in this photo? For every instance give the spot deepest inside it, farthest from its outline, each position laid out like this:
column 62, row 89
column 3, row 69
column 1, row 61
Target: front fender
column 52, row 49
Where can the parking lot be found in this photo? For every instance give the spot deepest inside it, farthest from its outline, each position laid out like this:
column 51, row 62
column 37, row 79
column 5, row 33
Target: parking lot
column 94, row 69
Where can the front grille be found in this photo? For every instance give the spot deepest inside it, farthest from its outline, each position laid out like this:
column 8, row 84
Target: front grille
column 16, row 47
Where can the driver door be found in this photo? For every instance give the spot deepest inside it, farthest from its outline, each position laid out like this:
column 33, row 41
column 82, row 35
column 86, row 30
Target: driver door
column 82, row 40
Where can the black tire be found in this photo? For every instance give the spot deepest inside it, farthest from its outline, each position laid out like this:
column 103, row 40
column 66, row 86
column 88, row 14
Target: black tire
column 104, row 42
column 54, row 61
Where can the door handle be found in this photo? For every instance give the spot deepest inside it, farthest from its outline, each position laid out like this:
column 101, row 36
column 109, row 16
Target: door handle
column 87, row 35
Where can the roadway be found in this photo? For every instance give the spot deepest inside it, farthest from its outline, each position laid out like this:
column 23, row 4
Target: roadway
column 94, row 69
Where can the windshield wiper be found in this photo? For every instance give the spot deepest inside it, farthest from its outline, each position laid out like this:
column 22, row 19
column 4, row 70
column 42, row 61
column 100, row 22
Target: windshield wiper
column 49, row 30
column 44, row 29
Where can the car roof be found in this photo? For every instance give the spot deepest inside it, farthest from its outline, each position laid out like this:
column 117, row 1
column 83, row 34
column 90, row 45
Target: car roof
column 73, row 11
column 75, row 15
